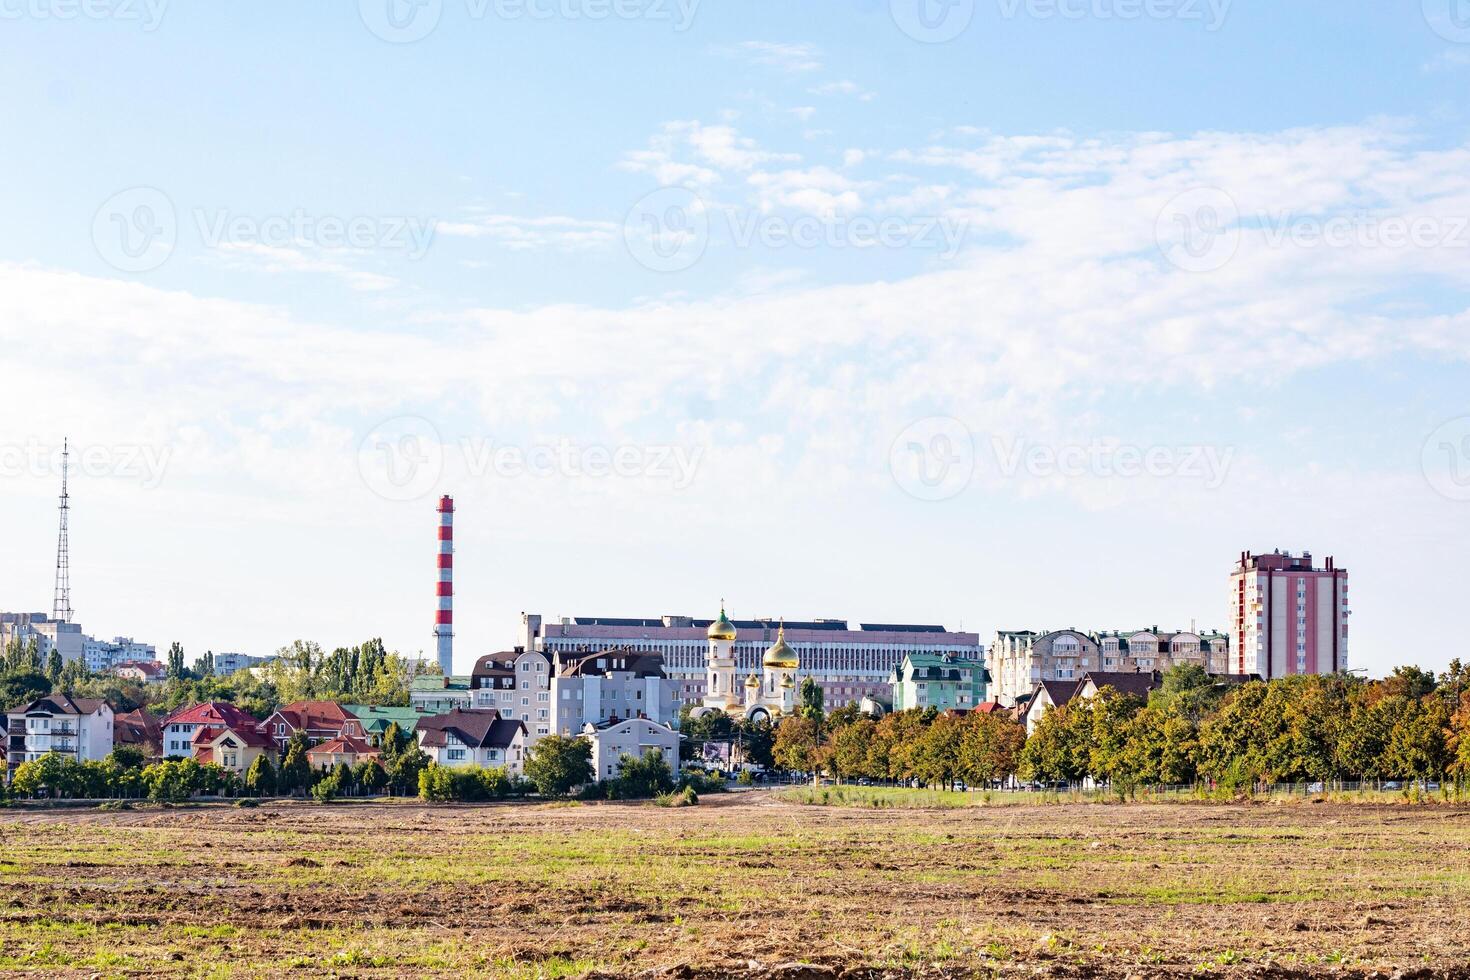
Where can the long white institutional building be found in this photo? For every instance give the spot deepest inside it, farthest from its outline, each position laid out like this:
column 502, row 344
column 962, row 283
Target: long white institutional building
column 849, row 663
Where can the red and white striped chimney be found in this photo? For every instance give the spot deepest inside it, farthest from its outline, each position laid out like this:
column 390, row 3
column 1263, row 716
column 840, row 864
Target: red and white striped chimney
column 444, row 616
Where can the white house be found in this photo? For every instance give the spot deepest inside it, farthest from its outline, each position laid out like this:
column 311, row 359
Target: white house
column 77, row 727
column 473, row 737
column 635, row 736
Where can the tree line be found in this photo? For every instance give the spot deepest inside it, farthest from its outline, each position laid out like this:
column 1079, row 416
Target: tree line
column 1411, row 726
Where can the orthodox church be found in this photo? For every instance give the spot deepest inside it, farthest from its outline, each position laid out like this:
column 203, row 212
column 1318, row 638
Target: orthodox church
column 769, row 696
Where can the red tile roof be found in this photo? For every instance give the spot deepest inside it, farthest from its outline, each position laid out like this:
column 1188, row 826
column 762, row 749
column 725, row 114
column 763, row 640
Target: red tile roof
column 213, row 713
column 315, row 716
column 343, row 745
column 140, row 728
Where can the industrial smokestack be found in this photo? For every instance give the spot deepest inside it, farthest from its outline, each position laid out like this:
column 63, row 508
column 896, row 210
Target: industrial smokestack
column 444, row 616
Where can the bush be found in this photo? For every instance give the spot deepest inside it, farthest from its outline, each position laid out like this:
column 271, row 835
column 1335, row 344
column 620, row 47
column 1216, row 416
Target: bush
column 468, row 784
column 684, row 797
column 113, row 805
column 247, row 803
column 703, row 782
column 326, row 789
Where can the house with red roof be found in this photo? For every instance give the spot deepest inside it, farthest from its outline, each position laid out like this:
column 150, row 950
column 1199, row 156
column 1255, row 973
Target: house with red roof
column 344, row 748
column 232, row 747
column 180, row 727
column 141, row 730
column 322, row 721
column 142, row 671
column 473, row 736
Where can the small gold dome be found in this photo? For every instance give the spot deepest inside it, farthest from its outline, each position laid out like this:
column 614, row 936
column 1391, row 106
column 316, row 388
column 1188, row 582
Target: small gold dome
column 780, row 655
column 752, row 682
column 722, row 628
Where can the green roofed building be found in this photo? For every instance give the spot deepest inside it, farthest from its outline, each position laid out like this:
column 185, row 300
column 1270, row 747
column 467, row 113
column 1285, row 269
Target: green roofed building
column 376, row 719
column 437, row 694
column 940, row 681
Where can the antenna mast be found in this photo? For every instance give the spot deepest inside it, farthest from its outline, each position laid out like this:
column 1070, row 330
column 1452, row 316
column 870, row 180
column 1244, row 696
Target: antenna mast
column 61, row 604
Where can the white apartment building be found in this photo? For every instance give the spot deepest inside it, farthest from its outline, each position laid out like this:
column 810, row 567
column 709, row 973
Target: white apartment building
column 517, row 683
column 597, row 688
column 80, row 728
column 1019, row 660
column 103, row 655
column 49, row 634
column 226, row 664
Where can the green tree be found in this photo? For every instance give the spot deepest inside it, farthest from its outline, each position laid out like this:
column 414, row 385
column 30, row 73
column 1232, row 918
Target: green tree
column 644, row 777
column 798, row 746
column 436, row 783
column 19, row 687
column 369, row 777
column 557, row 764
column 810, row 704
column 1060, row 749
column 295, row 775
column 851, row 745
column 53, row 666
column 127, row 757
column 260, row 778
column 175, row 668
column 44, row 775
column 990, row 748
column 937, row 757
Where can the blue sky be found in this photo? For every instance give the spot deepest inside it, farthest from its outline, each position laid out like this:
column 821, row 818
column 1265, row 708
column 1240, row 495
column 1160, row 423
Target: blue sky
column 260, row 245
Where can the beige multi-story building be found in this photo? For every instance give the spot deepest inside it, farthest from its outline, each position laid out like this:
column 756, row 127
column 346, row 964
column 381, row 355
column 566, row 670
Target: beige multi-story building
column 1019, row 660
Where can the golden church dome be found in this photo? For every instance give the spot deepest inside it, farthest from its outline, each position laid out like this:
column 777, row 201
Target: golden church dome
column 780, row 655
column 722, row 628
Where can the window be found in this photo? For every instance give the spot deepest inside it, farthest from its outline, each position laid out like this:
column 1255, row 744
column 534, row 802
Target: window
column 455, row 755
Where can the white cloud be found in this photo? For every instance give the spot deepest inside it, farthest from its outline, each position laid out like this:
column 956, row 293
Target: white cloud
column 844, row 87
column 523, row 233
column 796, row 57
column 284, row 259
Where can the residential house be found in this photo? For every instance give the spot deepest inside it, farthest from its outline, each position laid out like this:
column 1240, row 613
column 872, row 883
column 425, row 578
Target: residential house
column 476, row 736
column 80, row 728
column 344, row 748
column 233, row 747
column 436, row 694
column 180, row 727
column 517, row 683
column 1047, row 695
column 591, row 688
column 320, row 720
column 142, row 671
column 375, row 720
column 612, row 740
column 938, row 680
column 140, row 729
column 1136, row 685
